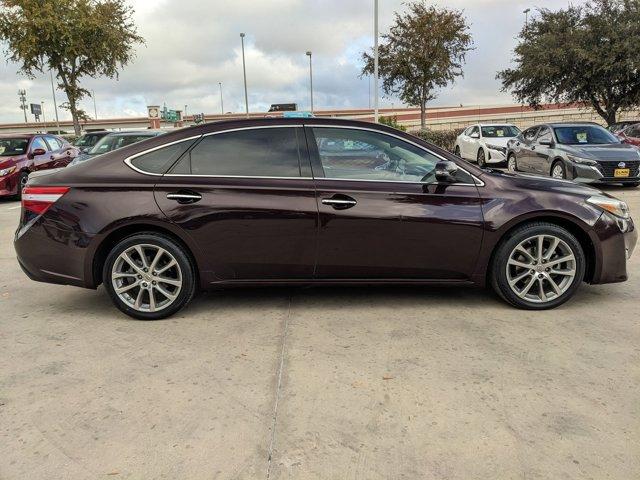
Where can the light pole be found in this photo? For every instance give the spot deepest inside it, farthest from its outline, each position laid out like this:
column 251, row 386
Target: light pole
column 221, row 99
column 22, row 94
column 244, row 72
column 44, row 120
column 55, row 104
column 95, row 108
column 309, row 54
column 526, row 18
column 375, row 61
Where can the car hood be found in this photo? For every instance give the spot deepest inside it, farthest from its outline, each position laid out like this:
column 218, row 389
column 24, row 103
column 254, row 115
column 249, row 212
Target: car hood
column 6, row 162
column 497, row 141
column 613, row 152
column 548, row 184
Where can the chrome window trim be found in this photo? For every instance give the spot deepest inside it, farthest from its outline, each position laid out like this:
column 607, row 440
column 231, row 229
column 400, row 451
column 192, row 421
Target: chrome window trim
column 129, row 159
column 478, row 182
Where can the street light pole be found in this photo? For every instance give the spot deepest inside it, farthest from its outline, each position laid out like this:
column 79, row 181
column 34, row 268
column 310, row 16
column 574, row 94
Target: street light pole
column 221, row 99
column 309, row 54
column 526, row 18
column 95, row 108
column 244, row 72
column 44, row 120
column 375, row 61
column 55, row 104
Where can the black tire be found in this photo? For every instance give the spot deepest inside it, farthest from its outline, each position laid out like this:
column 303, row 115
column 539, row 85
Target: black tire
column 559, row 165
column 482, row 159
column 456, row 151
column 22, row 181
column 631, row 185
column 188, row 271
column 512, row 157
column 498, row 267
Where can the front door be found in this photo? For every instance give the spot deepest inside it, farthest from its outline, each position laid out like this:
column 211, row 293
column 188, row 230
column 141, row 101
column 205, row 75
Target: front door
column 542, row 154
column 524, row 151
column 40, row 162
column 247, row 199
column 382, row 213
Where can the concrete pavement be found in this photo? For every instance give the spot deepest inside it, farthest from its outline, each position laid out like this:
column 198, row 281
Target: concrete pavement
column 334, row 383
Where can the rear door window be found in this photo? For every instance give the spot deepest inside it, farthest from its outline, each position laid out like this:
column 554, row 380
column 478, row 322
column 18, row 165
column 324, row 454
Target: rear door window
column 53, row 142
column 160, row 160
column 261, row 152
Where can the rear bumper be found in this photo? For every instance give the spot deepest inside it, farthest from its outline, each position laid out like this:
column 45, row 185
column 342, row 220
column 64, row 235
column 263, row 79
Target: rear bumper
column 9, row 184
column 614, row 242
column 48, row 252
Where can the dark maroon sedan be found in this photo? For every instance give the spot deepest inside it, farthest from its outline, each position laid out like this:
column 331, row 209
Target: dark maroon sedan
column 22, row 154
column 312, row 201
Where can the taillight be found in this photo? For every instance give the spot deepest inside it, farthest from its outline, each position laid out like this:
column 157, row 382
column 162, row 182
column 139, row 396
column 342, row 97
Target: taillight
column 39, row 199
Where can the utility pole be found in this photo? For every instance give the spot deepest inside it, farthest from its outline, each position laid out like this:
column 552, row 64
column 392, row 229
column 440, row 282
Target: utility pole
column 309, row 54
column 44, row 119
column 22, row 94
column 55, row 104
column 244, row 72
column 375, row 61
column 221, row 99
column 526, row 18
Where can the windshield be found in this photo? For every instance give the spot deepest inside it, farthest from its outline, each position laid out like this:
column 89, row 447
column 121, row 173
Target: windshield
column 500, row 131
column 113, row 142
column 584, row 135
column 13, row 146
column 87, row 140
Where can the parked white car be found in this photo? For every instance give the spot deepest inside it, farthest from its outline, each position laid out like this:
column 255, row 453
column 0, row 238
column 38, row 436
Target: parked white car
column 485, row 143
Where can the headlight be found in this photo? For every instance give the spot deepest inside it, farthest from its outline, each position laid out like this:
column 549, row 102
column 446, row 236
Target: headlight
column 611, row 205
column 582, row 161
column 7, row 171
column 496, row 147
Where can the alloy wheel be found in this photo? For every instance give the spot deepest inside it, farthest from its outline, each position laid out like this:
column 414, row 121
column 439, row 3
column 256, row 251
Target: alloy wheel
column 147, row 278
column 511, row 164
column 558, row 171
column 541, row 268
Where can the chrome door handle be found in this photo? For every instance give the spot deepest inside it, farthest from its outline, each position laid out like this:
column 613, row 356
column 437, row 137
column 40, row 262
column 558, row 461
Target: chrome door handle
column 184, row 197
column 340, row 203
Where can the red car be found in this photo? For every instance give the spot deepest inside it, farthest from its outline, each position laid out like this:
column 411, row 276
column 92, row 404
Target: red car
column 630, row 134
column 22, row 154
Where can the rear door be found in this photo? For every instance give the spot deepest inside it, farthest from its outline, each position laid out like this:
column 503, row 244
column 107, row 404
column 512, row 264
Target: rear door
column 247, row 199
column 383, row 215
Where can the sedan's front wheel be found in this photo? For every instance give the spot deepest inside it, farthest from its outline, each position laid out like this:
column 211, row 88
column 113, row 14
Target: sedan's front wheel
column 539, row 266
column 149, row 276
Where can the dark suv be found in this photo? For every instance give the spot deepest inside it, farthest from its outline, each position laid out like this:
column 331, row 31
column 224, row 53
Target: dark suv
column 583, row 152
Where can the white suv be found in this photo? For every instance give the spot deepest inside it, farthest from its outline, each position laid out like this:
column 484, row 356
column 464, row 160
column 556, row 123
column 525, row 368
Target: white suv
column 485, row 143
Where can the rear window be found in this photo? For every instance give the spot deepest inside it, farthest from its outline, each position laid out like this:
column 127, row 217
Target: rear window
column 159, row 161
column 266, row 152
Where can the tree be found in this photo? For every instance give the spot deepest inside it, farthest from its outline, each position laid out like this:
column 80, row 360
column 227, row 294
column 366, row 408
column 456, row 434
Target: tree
column 423, row 51
column 585, row 54
column 73, row 38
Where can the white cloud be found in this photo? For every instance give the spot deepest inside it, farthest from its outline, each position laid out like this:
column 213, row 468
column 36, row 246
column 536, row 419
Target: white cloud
column 191, row 45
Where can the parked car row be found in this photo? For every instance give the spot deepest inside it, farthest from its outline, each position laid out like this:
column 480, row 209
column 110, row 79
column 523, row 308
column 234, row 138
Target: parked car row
column 583, row 152
column 22, row 155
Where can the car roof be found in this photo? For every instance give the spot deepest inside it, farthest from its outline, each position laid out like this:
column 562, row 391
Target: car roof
column 494, row 125
column 131, row 133
column 569, row 124
column 20, row 135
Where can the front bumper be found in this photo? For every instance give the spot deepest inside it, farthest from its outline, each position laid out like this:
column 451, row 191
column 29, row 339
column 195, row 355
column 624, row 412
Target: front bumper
column 496, row 156
column 600, row 174
column 9, row 184
column 614, row 241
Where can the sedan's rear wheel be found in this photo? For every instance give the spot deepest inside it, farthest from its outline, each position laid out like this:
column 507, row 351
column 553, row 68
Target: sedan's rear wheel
column 539, row 266
column 456, row 151
column 149, row 276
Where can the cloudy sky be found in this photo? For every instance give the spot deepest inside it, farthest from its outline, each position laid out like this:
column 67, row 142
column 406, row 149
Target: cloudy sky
column 191, row 45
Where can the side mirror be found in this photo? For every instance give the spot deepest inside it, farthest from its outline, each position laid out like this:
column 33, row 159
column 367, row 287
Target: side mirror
column 37, row 152
column 475, row 135
column 446, row 171
column 546, row 143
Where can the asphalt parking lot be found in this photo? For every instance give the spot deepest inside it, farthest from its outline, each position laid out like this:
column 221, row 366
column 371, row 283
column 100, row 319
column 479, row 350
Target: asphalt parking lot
column 339, row 383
